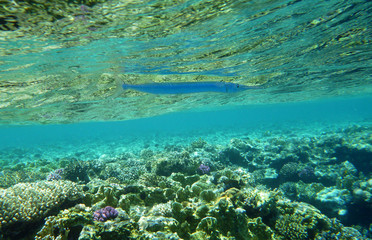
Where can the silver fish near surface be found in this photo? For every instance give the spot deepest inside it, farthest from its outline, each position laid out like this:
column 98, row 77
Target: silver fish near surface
column 188, row 87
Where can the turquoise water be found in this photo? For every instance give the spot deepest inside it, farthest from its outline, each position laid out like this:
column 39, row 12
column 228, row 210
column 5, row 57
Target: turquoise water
column 290, row 159
column 215, row 126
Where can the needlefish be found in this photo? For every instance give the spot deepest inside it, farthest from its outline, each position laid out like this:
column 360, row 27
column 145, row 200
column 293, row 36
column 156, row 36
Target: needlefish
column 188, row 87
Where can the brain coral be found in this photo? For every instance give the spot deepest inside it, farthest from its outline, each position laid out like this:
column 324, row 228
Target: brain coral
column 27, row 202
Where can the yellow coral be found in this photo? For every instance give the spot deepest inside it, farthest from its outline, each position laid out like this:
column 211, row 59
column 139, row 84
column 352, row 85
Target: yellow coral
column 32, row 201
column 292, row 227
column 300, row 221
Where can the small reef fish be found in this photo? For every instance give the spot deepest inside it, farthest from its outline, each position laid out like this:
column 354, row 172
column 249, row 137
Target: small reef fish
column 188, row 87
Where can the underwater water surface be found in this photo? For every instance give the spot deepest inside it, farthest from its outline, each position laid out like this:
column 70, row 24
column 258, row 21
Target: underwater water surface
column 82, row 158
column 63, row 67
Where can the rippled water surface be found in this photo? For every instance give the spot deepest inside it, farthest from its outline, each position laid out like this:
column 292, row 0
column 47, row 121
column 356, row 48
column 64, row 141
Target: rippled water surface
column 61, row 63
column 290, row 158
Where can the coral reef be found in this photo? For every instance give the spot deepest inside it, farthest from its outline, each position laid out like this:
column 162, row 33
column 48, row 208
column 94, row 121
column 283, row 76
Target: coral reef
column 25, row 203
column 289, row 171
column 249, row 213
column 199, row 191
column 175, row 162
column 362, row 191
column 334, row 200
column 11, row 177
column 77, row 222
column 232, row 155
column 76, row 171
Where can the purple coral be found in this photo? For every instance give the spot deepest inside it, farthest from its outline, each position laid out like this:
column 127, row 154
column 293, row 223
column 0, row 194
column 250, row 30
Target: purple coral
column 105, row 214
column 56, row 175
column 204, row 169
